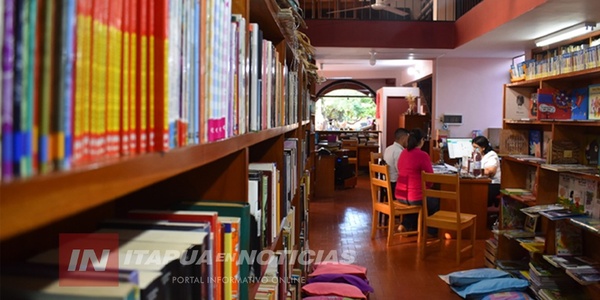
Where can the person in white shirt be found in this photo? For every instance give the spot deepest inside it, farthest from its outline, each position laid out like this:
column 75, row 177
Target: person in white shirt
column 392, row 153
column 490, row 163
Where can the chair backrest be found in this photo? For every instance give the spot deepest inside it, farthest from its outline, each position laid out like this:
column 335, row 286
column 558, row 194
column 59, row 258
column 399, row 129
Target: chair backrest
column 376, row 158
column 446, row 187
column 380, row 179
column 351, row 145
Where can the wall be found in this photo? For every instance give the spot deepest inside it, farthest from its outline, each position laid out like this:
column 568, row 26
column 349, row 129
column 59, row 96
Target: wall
column 472, row 88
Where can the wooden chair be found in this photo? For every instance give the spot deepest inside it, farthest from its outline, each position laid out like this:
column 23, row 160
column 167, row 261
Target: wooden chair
column 352, row 146
column 446, row 219
column 380, row 180
column 375, row 158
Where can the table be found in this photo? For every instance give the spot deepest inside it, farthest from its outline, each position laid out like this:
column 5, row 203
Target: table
column 364, row 154
column 473, row 200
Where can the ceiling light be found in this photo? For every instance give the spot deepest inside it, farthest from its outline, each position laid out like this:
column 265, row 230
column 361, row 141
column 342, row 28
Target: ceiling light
column 372, row 60
column 566, row 33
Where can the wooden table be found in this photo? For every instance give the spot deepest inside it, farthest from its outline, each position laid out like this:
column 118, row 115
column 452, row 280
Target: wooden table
column 473, row 200
column 364, row 154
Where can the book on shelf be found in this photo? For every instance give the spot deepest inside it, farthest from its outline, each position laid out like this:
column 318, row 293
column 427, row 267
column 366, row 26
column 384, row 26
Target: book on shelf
column 193, row 260
column 247, row 234
column 579, row 103
column 569, row 238
column 32, row 287
column 553, row 104
column 515, row 191
column 567, row 262
column 578, row 194
column 591, row 150
column 559, row 214
column 514, row 141
column 527, row 157
column 546, row 143
column 215, row 238
column 516, row 104
column 587, row 222
column 533, row 99
column 511, row 216
column 558, row 167
column 585, row 276
column 536, row 209
column 535, row 143
column 563, row 152
column 594, row 102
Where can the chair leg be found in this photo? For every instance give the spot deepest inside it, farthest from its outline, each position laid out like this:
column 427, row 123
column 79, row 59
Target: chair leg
column 419, row 227
column 391, row 228
column 458, row 240
column 423, row 245
column 374, row 223
column 473, row 231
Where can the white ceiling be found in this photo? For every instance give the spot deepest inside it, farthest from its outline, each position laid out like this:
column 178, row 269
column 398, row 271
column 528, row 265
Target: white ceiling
column 506, row 41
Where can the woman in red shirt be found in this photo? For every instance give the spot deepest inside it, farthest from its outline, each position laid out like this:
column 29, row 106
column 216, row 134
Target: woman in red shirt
column 412, row 161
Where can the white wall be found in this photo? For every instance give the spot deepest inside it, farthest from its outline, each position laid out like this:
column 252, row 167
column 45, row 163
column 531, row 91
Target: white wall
column 471, row 87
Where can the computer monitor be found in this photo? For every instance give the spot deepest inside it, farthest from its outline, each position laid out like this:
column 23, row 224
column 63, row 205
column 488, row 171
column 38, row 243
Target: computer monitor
column 459, row 147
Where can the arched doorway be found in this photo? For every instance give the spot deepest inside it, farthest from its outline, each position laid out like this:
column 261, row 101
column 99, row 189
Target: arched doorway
column 345, row 105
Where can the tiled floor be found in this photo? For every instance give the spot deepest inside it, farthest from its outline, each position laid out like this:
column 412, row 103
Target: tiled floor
column 343, row 223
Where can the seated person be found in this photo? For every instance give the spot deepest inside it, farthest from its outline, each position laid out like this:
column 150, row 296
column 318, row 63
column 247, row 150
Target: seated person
column 412, row 161
column 490, row 163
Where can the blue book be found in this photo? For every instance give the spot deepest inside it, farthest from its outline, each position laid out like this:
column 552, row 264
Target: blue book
column 535, row 142
column 579, row 104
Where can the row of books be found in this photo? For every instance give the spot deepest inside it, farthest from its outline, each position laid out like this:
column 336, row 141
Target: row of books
column 201, row 250
column 85, row 80
column 576, row 59
column 579, row 103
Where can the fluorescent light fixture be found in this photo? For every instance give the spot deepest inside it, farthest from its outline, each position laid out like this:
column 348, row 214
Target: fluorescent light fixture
column 566, row 33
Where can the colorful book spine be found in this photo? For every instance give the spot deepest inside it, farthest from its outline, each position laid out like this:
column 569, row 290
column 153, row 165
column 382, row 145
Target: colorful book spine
column 124, row 93
column 8, row 65
column 174, row 69
column 81, row 110
column 227, row 267
column 113, row 88
column 66, row 88
column 133, row 15
column 45, row 109
column 142, row 78
column 37, row 61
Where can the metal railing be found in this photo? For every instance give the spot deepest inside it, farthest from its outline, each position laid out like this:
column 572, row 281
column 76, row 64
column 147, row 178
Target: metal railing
column 401, row 10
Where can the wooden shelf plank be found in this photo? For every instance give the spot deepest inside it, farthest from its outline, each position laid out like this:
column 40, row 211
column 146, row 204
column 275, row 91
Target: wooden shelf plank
column 30, row 203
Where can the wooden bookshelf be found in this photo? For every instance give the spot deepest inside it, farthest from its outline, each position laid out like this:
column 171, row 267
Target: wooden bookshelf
column 516, row 173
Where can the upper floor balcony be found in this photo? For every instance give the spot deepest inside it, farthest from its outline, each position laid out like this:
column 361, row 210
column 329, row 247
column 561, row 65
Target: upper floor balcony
column 386, row 10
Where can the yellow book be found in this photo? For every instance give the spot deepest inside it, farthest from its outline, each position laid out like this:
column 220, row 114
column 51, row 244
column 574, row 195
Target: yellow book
column 81, row 115
column 234, row 222
column 227, row 268
column 115, row 44
column 99, row 79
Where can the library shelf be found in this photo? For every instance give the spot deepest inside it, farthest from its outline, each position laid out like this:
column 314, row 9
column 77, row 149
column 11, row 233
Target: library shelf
column 51, row 197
